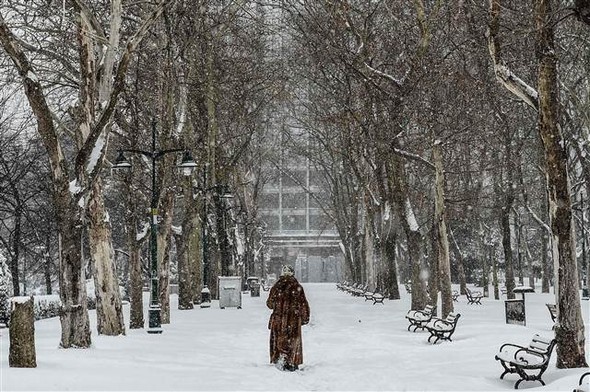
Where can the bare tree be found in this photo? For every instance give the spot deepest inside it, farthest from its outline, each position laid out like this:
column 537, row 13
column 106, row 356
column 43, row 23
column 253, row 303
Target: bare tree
column 545, row 101
column 73, row 184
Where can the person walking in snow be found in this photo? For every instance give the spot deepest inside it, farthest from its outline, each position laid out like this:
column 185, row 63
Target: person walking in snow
column 290, row 311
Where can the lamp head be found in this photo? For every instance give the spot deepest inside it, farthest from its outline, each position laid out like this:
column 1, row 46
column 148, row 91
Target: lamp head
column 188, row 164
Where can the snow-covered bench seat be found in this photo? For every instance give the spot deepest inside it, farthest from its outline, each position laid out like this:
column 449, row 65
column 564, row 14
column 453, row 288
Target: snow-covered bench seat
column 419, row 318
column 374, row 296
column 378, row 298
column 528, row 362
column 473, row 297
column 442, row 329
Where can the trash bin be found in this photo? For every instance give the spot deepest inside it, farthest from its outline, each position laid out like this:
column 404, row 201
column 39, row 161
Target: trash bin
column 253, row 283
column 205, row 297
column 230, row 293
column 255, row 290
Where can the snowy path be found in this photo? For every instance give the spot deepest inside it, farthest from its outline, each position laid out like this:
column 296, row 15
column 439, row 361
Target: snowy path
column 349, row 345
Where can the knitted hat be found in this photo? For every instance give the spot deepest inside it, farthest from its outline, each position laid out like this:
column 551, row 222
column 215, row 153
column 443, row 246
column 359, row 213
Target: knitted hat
column 287, row 271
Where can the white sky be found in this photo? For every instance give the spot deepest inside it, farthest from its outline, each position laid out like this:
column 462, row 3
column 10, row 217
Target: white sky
column 349, row 345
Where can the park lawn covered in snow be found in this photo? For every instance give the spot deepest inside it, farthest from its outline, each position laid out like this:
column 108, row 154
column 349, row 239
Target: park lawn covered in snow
column 349, row 345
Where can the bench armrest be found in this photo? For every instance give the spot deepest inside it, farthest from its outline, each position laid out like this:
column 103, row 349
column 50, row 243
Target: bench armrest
column 510, row 345
column 414, row 313
column 525, row 351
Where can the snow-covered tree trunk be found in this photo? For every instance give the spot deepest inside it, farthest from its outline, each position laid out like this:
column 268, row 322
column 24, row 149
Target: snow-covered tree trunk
column 414, row 237
column 109, row 309
column 69, row 194
column 441, row 232
column 75, row 324
column 569, row 330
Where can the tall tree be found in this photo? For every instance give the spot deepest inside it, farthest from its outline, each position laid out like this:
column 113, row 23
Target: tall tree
column 545, row 100
column 73, row 183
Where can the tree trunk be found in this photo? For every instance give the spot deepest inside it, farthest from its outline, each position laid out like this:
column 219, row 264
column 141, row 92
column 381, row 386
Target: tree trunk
column 371, row 247
column 136, row 320
column 507, row 245
column 109, row 309
column 164, row 233
column 47, row 266
column 389, row 248
column 75, row 325
column 442, row 238
column 16, row 244
column 397, row 176
column 188, row 264
column 434, row 276
column 460, row 267
column 569, row 331
column 22, row 335
column 195, row 257
column 545, row 264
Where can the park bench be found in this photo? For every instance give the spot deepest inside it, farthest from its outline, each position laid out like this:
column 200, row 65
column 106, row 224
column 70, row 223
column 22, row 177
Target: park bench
column 442, row 329
column 455, row 295
column 378, row 298
column 350, row 288
column 419, row 318
column 473, row 297
column 552, row 311
column 408, row 287
column 360, row 291
column 528, row 362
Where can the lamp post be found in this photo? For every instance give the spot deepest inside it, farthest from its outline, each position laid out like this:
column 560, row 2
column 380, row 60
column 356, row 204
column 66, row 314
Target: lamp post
column 187, row 165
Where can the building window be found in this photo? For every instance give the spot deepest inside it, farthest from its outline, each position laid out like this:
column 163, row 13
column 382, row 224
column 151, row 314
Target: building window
column 294, row 200
column 272, row 222
column 294, row 222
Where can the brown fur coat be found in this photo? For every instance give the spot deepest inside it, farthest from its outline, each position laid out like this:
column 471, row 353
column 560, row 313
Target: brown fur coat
column 290, row 312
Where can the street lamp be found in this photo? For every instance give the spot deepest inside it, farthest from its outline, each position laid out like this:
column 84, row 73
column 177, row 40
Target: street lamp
column 187, row 165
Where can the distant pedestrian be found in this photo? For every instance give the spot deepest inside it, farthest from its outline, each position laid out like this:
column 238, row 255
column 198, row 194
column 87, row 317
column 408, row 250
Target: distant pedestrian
column 290, row 311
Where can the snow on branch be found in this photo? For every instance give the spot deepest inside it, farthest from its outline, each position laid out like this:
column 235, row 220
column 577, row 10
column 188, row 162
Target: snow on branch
column 141, row 235
column 410, row 217
column 92, row 21
column 516, row 85
column 504, row 75
column 398, row 83
column 414, row 157
column 540, row 221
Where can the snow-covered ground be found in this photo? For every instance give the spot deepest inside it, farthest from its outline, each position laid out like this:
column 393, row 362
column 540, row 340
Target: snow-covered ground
column 349, row 345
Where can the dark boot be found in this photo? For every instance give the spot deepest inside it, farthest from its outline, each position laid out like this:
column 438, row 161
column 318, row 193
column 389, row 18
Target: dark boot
column 290, row 367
